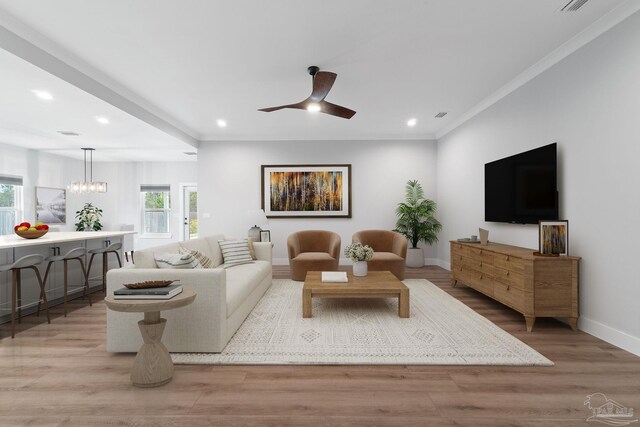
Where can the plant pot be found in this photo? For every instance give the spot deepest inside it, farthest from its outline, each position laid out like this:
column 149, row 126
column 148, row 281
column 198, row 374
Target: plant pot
column 360, row 268
column 415, row 257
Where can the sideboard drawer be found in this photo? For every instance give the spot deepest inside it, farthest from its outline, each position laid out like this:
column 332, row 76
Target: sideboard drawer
column 509, row 295
column 509, row 262
column 508, row 277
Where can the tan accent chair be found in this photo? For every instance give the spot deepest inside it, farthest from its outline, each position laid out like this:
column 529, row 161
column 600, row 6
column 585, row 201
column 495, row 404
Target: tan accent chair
column 389, row 247
column 313, row 250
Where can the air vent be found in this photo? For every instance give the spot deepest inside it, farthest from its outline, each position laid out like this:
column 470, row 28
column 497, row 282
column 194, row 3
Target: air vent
column 68, row 133
column 190, row 153
column 441, row 114
column 573, row 5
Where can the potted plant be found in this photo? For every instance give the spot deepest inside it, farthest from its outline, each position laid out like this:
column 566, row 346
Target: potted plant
column 88, row 218
column 359, row 254
column 416, row 222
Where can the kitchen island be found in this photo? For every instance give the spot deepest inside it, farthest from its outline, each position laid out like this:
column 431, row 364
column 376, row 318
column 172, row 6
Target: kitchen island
column 13, row 247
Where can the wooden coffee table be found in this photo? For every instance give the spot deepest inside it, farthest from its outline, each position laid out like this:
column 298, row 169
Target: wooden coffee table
column 376, row 284
column 153, row 365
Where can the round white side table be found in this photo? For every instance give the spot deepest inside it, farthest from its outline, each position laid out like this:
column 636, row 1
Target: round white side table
column 153, row 366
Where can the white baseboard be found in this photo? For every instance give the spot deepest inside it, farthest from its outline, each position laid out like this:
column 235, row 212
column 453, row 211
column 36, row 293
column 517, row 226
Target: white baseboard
column 427, row 261
column 612, row 336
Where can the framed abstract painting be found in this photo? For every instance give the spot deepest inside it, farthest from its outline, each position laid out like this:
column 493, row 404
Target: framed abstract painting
column 306, row 191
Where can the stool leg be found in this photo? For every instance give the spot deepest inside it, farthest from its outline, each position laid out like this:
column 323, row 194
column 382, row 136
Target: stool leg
column 126, row 256
column 44, row 282
column 89, row 268
column 42, row 292
column 65, row 284
column 14, row 289
column 86, row 281
column 132, row 260
column 105, row 262
column 119, row 260
column 19, row 293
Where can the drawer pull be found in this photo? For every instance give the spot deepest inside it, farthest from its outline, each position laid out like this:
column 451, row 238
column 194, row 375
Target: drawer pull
column 506, row 258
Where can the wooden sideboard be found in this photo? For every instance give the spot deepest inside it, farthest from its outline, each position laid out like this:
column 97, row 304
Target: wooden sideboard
column 535, row 286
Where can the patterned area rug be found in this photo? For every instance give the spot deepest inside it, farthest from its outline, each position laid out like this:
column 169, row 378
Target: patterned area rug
column 440, row 331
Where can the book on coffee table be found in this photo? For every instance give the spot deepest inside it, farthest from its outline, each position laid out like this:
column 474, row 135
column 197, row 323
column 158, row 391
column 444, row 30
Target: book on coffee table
column 334, row 276
column 166, row 292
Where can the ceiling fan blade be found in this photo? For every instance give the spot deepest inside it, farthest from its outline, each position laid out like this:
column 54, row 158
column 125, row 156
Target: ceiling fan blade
column 336, row 110
column 300, row 105
column 322, row 84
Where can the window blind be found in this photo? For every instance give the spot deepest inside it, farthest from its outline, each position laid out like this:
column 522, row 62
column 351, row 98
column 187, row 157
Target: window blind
column 10, row 180
column 154, row 188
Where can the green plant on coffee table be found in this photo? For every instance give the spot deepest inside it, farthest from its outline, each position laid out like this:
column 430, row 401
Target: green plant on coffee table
column 416, row 219
column 88, row 218
column 357, row 252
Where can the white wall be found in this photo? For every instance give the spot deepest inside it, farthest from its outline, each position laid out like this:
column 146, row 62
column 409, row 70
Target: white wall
column 230, row 171
column 589, row 103
column 121, row 203
column 42, row 170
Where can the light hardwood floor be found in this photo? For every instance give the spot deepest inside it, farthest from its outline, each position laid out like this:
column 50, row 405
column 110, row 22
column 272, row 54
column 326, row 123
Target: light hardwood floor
column 60, row 375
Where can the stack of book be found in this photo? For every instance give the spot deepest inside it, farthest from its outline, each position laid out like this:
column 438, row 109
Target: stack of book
column 166, row 292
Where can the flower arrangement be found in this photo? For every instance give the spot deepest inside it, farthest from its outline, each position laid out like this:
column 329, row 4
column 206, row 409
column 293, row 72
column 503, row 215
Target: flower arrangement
column 358, row 252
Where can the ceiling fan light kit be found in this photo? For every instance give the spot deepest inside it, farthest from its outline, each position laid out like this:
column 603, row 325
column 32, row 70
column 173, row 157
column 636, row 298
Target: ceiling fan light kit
column 322, row 84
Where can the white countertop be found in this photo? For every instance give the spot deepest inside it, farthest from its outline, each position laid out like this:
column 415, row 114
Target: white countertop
column 14, row 241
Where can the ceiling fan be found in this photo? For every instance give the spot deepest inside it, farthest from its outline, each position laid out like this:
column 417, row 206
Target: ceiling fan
column 322, row 83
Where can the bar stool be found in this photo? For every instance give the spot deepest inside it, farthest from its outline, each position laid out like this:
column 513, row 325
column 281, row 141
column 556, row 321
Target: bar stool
column 105, row 251
column 28, row 261
column 74, row 254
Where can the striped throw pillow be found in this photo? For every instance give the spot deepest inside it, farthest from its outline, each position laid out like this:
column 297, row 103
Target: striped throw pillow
column 176, row 261
column 204, row 260
column 235, row 252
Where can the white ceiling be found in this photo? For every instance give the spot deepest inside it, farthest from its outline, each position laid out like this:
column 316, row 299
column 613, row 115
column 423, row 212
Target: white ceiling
column 163, row 71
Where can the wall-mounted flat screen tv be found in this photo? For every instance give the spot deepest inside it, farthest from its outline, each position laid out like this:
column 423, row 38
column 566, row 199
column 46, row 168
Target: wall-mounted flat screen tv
column 522, row 189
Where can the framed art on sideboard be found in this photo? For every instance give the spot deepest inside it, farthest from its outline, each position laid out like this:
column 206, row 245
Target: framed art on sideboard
column 554, row 237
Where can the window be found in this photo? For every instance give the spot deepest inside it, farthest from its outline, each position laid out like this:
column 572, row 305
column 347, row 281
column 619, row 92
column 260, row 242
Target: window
column 156, row 210
column 10, row 203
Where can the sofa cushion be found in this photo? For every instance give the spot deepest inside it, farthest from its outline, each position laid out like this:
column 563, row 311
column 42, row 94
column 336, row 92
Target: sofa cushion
column 204, row 260
column 177, row 261
column 216, row 253
column 145, row 258
column 242, row 280
column 200, row 245
column 235, row 252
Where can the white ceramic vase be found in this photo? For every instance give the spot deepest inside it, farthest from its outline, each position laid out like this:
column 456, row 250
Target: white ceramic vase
column 360, row 268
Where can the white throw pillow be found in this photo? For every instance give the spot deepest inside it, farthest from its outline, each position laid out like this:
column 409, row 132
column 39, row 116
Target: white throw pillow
column 205, row 261
column 176, row 261
column 235, row 252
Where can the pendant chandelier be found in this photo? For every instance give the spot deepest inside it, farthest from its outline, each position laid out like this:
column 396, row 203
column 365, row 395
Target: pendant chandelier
column 90, row 186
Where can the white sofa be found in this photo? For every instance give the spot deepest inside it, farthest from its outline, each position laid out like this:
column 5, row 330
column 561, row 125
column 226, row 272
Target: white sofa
column 225, row 297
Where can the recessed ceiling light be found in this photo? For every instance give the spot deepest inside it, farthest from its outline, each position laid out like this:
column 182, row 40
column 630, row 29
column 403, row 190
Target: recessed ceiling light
column 221, row 123
column 42, row 94
column 412, row 122
column 314, row 108
column 102, row 120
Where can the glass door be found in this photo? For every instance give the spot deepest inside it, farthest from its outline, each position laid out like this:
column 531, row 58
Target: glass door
column 190, row 211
